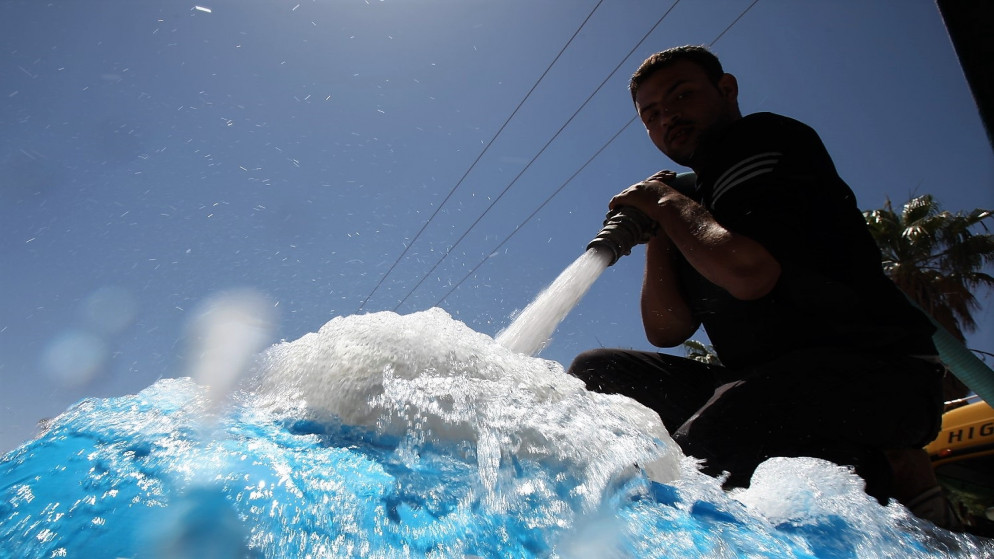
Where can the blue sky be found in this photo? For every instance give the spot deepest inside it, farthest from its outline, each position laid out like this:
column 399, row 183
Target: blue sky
column 155, row 153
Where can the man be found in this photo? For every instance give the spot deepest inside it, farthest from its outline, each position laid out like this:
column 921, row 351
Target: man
column 822, row 355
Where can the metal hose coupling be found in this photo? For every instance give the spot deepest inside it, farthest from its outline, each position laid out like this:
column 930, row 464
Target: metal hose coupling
column 624, row 228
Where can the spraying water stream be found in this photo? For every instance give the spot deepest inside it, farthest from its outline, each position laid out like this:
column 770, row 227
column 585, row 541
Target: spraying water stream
column 623, row 229
column 530, row 331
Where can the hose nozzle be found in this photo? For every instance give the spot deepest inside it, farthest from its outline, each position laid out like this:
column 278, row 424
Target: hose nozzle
column 624, row 228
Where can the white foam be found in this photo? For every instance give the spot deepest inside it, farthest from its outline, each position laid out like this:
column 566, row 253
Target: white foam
column 799, row 489
column 430, row 378
column 801, row 492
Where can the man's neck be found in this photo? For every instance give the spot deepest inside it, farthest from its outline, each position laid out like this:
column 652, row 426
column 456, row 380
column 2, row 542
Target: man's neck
column 705, row 147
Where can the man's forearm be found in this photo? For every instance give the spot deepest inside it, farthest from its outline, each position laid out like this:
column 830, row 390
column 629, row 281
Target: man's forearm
column 665, row 314
column 740, row 265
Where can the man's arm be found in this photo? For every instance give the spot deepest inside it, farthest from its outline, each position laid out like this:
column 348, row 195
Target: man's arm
column 738, row 264
column 665, row 314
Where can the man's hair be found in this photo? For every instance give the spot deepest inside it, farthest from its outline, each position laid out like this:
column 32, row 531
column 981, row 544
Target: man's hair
column 698, row 54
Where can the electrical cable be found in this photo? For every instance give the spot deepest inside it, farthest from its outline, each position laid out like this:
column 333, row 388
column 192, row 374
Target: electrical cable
column 536, row 156
column 571, row 177
column 730, row 25
column 538, row 209
column 477, row 160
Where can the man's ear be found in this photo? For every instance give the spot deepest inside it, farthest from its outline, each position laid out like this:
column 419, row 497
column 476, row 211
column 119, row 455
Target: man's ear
column 729, row 87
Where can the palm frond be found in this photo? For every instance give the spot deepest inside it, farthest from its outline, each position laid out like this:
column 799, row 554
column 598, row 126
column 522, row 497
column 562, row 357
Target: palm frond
column 935, row 257
column 699, row 351
column 919, row 208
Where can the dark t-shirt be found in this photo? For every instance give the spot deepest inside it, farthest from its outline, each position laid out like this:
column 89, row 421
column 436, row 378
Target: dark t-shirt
column 771, row 179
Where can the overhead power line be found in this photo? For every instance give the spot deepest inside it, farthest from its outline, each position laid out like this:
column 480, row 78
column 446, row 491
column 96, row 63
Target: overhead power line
column 571, row 177
column 477, row 160
column 538, row 209
column 537, row 155
column 730, row 25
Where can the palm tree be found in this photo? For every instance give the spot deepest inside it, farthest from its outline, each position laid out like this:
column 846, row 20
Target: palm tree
column 935, row 258
column 699, row 351
column 937, row 261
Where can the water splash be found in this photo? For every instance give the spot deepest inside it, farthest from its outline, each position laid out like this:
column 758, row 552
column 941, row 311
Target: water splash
column 380, row 372
column 226, row 332
column 370, row 438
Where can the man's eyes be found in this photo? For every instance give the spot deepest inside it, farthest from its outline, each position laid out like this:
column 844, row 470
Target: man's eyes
column 673, row 102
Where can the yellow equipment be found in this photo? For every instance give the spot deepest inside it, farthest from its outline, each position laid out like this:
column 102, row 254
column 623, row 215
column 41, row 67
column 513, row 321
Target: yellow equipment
column 963, row 459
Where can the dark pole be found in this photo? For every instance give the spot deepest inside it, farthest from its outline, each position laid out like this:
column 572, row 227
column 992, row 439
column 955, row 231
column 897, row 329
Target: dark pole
column 970, row 24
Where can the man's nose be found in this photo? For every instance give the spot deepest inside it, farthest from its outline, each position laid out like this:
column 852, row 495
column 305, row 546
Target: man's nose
column 672, row 112
column 670, row 116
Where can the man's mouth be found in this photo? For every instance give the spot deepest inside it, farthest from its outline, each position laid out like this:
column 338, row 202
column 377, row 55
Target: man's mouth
column 678, row 133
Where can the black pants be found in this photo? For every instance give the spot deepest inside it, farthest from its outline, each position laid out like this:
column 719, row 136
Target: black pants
column 843, row 406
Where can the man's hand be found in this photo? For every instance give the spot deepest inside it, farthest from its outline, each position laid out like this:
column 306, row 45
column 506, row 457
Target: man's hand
column 740, row 265
column 646, row 195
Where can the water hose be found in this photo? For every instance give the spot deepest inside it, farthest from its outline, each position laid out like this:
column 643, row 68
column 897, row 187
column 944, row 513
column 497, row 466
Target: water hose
column 626, row 226
column 963, row 363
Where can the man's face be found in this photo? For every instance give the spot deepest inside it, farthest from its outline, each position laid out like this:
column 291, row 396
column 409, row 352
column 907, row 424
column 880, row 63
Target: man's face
column 680, row 107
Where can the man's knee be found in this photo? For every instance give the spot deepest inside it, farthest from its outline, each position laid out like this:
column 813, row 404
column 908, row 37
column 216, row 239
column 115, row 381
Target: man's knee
column 593, row 365
column 593, row 361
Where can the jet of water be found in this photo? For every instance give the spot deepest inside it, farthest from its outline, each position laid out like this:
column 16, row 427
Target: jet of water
column 531, row 330
column 624, row 228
